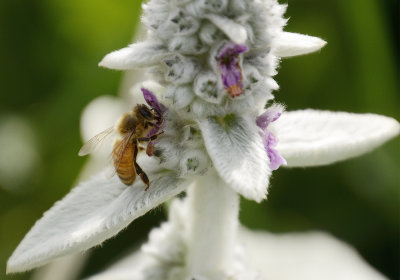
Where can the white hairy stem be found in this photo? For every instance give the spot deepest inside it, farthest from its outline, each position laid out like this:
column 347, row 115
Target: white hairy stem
column 213, row 210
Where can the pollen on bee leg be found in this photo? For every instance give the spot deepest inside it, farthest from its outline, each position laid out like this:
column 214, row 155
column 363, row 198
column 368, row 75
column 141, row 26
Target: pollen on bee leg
column 150, row 149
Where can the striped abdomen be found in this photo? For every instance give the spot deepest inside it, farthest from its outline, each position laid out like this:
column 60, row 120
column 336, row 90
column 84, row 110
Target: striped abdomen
column 124, row 162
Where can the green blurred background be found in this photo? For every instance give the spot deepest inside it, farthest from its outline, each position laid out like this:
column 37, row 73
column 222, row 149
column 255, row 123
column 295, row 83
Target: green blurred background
column 49, row 52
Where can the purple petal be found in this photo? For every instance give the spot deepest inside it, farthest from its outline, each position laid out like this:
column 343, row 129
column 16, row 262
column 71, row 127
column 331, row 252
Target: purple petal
column 268, row 117
column 159, row 108
column 229, row 67
column 152, row 101
column 275, row 159
column 272, row 114
column 231, row 49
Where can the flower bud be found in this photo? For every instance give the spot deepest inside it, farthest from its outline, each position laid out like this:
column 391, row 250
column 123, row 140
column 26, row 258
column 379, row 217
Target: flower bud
column 206, row 87
column 193, row 161
column 180, row 69
column 179, row 96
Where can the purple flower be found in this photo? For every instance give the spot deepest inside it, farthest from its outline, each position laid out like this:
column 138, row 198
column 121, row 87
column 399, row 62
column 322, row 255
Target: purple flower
column 159, row 110
column 152, row 101
column 229, row 67
column 272, row 114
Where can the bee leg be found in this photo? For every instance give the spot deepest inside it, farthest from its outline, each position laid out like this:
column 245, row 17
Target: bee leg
column 151, row 138
column 143, row 176
column 150, row 145
column 139, row 170
column 146, row 139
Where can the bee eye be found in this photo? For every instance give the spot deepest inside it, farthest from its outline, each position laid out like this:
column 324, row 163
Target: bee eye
column 146, row 113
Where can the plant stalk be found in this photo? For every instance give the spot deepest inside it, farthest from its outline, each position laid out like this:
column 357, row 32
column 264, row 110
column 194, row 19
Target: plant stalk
column 214, row 208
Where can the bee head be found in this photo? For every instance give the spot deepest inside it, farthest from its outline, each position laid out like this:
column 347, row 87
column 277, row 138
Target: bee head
column 145, row 112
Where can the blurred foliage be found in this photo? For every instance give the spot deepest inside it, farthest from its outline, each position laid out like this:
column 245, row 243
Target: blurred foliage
column 50, row 50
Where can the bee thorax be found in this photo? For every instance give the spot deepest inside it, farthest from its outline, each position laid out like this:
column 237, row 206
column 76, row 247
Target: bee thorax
column 127, row 123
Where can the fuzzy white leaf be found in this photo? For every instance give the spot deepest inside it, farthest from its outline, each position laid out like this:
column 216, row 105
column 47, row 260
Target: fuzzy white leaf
column 236, row 149
column 289, row 44
column 157, row 258
column 64, row 268
column 141, row 54
column 91, row 213
column 311, row 256
column 235, row 31
column 312, row 137
column 131, row 267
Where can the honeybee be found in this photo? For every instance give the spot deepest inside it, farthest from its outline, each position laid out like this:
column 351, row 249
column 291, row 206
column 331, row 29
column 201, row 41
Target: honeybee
column 141, row 125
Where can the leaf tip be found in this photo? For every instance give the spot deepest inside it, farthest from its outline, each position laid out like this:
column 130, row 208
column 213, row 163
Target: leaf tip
column 117, row 60
column 290, row 44
column 11, row 267
column 106, row 62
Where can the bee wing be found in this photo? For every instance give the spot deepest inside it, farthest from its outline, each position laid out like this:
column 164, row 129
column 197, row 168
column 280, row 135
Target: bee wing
column 110, row 169
column 95, row 142
column 120, row 148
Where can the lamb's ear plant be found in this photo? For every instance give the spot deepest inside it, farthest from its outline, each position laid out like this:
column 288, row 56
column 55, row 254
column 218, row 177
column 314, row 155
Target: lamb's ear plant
column 222, row 136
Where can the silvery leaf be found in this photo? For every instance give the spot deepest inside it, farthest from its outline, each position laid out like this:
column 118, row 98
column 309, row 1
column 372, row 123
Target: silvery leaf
column 236, row 149
column 312, row 137
column 91, row 213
